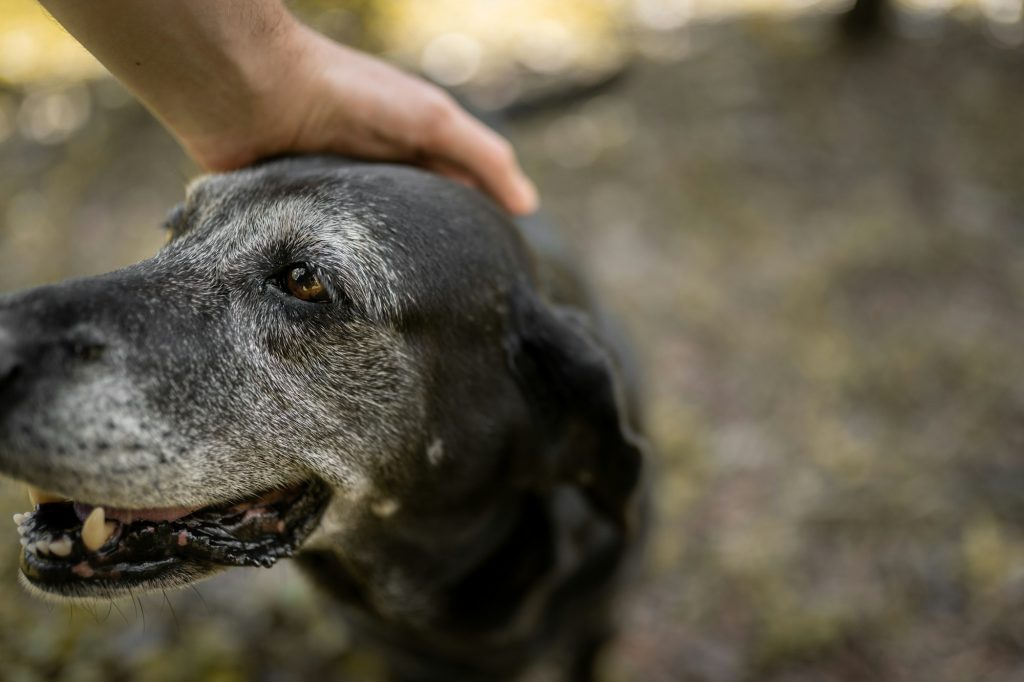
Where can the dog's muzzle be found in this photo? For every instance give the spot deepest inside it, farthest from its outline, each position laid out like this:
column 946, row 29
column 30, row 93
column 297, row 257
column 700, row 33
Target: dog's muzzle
column 9, row 361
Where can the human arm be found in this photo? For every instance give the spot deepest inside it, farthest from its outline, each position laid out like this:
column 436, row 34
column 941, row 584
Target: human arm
column 240, row 80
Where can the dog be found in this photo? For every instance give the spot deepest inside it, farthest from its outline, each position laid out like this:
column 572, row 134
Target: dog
column 364, row 366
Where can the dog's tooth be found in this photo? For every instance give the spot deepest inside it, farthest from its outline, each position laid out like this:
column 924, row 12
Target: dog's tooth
column 43, row 547
column 18, row 518
column 30, row 548
column 38, row 496
column 94, row 531
column 62, row 547
column 22, row 530
column 23, row 541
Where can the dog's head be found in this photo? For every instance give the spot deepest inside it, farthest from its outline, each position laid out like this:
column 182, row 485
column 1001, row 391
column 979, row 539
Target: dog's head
column 314, row 333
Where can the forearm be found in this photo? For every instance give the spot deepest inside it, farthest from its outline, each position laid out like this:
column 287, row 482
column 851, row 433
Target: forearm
column 195, row 63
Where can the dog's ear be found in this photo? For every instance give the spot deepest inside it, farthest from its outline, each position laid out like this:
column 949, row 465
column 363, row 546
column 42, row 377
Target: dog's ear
column 574, row 391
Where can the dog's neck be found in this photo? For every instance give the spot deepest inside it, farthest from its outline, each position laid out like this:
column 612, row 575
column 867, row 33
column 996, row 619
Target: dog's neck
column 401, row 568
column 494, row 580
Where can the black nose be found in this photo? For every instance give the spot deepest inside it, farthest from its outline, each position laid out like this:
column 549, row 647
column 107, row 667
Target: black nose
column 9, row 360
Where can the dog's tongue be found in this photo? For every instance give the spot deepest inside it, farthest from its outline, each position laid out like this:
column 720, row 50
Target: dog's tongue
column 130, row 515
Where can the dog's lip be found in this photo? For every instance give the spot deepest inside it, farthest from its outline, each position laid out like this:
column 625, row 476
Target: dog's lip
column 39, row 496
column 156, row 515
column 146, row 546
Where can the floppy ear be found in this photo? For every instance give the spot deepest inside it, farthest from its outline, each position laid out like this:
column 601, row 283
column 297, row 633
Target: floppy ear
column 573, row 387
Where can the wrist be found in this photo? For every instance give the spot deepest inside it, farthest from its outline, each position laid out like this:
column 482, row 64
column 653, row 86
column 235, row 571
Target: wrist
column 241, row 119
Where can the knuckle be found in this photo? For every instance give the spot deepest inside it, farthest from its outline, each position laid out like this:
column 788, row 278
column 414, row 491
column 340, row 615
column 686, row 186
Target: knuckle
column 504, row 153
column 438, row 112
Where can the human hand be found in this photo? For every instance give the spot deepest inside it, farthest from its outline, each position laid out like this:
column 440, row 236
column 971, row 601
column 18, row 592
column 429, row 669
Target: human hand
column 325, row 97
column 237, row 82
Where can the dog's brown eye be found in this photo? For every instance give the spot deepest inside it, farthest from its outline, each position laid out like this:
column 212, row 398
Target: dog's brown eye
column 302, row 283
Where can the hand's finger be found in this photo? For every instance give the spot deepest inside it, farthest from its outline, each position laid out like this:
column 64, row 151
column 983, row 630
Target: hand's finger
column 450, row 170
column 468, row 144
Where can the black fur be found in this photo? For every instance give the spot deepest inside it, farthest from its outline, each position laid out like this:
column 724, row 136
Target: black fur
column 459, row 394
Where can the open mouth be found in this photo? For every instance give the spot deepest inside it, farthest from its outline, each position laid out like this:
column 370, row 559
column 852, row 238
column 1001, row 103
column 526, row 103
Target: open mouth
column 77, row 549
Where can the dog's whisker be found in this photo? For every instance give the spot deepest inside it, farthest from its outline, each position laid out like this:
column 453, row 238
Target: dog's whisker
column 174, row 616
column 142, row 610
column 199, row 594
column 118, row 609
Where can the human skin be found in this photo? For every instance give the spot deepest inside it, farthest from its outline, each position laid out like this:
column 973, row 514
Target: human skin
column 236, row 81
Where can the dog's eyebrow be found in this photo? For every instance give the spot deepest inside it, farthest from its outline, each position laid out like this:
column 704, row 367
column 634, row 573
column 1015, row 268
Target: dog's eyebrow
column 175, row 220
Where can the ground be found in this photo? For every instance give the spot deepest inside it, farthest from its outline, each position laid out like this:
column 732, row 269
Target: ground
column 819, row 251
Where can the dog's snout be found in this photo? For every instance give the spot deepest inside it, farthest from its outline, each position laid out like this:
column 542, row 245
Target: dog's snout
column 85, row 347
column 78, row 346
column 9, row 360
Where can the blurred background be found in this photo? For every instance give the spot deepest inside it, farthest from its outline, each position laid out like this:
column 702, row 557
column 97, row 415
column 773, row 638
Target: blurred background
column 811, row 218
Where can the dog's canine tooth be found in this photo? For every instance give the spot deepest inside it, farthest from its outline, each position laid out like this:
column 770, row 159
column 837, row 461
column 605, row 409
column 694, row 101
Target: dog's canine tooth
column 62, row 547
column 94, row 530
column 18, row 519
column 43, row 547
column 37, row 496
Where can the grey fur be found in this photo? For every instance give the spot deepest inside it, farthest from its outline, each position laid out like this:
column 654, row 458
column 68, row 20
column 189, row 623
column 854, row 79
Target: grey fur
column 438, row 395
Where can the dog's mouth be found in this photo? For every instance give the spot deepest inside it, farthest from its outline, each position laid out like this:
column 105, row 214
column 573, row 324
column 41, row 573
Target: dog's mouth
column 75, row 549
